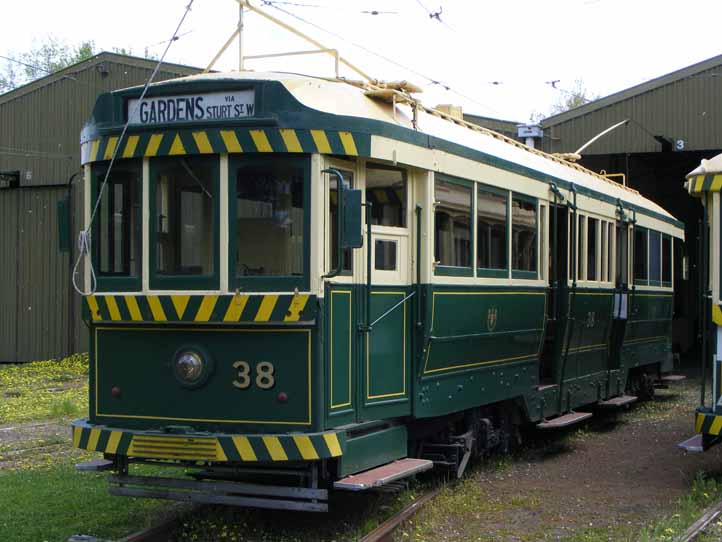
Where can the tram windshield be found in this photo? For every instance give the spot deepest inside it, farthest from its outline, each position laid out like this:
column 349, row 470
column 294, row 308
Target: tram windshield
column 268, row 212
column 184, row 212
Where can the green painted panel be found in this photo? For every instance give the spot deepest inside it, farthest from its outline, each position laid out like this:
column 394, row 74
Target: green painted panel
column 373, row 449
column 650, row 316
column 476, row 327
column 590, row 327
column 341, row 330
column 138, row 361
column 387, row 348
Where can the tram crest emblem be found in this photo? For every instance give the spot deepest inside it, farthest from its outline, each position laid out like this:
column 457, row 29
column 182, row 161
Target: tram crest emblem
column 491, row 318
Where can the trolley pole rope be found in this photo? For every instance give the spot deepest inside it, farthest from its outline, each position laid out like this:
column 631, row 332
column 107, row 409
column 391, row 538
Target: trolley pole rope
column 84, row 236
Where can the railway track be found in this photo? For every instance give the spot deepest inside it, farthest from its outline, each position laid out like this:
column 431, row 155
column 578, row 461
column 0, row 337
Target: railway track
column 699, row 527
column 384, row 532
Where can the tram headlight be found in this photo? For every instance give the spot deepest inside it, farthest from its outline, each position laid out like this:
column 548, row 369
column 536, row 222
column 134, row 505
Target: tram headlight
column 190, row 367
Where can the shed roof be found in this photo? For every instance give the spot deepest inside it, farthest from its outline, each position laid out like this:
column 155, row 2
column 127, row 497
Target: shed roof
column 105, row 56
column 40, row 122
column 636, row 90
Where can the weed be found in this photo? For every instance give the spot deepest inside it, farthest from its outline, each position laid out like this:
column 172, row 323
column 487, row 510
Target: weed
column 40, row 390
column 60, row 409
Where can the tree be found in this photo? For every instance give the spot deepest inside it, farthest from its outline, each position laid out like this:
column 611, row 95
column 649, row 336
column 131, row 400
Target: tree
column 569, row 99
column 47, row 57
column 8, row 80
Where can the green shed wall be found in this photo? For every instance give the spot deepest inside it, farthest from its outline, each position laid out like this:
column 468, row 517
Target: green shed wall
column 689, row 109
column 40, row 127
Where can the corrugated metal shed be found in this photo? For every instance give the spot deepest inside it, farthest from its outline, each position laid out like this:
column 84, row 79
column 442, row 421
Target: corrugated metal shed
column 681, row 106
column 505, row 127
column 40, row 127
column 40, row 122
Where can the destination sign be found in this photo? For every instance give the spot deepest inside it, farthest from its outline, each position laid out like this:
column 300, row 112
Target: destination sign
column 212, row 106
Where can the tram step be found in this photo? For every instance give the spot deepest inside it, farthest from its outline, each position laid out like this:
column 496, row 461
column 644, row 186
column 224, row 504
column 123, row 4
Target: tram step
column 94, row 465
column 384, row 474
column 692, row 444
column 565, row 421
column 616, row 402
column 672, row 378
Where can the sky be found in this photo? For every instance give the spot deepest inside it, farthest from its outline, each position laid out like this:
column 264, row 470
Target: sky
column 497, row 58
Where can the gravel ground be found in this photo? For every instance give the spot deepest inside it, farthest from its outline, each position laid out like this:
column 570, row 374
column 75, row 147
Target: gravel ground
column 610, row 478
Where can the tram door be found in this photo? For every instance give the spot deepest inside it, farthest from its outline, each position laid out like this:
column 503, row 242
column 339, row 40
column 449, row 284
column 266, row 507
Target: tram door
column 386, row 349
column 368, row 371
column 557, row 273
column 621, row 294
column 341, row 322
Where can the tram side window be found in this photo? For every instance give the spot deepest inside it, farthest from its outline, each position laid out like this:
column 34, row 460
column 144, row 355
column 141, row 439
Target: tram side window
column 386, row 190
column 452, row 224
column 117, row 229
column 609, row 252
column 185, row 209
column 581, row 229
column 641, row 263
column 622, row 254
column 269, row 218
column 491, row 230
column 655, row 258
column 592, row 248
column 666, row 260
column 523, row 234
column 604, row 240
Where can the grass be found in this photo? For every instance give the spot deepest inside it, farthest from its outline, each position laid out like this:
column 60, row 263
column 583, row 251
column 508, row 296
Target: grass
column 705, row 492
column 42, row 497
column 50, row 504
column 44, row 390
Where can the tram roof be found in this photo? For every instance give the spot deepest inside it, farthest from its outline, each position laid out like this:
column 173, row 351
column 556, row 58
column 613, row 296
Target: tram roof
column 348, row 98
column 707, row 177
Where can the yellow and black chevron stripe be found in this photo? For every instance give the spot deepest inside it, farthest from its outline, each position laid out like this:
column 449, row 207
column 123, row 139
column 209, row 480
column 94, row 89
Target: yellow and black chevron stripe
column 225, row 448
column 201, row 308
column 708, row 423
column 717, row 314
column 704, row 183
column 221, row 141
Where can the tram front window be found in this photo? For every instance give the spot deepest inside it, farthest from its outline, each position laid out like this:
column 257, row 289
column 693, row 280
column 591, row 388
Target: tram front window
column 269, row 218
column 117, row 228
column 184, row 216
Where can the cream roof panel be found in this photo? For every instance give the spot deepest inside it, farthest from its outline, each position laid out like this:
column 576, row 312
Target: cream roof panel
column 340, row 98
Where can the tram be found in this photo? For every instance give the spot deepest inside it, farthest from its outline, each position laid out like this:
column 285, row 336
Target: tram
column 307, row 284
column 704, row 183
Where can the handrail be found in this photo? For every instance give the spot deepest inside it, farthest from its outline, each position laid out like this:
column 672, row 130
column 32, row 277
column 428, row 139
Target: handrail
column 574, row 266
column 365, row 328
column 484, row 334
column 558, row 198
column 384, row 315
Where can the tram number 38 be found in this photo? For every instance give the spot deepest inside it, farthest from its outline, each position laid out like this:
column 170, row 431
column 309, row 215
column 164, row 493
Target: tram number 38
column 264, row 375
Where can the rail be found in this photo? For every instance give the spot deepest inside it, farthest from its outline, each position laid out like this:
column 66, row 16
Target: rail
column 386, row 529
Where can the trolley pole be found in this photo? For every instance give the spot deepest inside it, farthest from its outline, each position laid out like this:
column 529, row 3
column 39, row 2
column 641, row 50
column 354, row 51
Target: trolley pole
column 240, row 37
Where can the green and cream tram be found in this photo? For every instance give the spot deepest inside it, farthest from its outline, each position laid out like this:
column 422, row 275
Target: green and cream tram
column 705, row 183
column 306, row 284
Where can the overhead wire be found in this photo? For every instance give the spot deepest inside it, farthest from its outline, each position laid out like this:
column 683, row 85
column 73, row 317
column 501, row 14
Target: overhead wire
column 431, row 80
column 337, row 8
column 435, row 15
